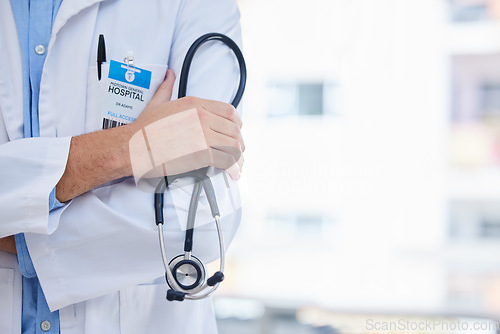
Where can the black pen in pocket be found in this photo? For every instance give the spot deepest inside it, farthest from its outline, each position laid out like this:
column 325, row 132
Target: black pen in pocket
column 101, row 55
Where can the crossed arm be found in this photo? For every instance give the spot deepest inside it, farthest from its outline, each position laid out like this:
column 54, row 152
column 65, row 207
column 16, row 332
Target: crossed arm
column 102, row 156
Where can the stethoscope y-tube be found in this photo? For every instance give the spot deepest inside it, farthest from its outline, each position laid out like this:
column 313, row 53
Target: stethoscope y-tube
column 185, row 274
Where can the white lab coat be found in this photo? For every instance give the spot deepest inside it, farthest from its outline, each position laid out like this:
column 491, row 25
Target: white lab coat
column 98, row 258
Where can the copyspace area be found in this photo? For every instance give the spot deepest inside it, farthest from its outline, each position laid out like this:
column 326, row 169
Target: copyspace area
column 371, row 185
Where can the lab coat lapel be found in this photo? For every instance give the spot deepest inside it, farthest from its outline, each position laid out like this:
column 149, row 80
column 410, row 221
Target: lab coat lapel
column 72, row 53
column 11, row 81
column 68, row 9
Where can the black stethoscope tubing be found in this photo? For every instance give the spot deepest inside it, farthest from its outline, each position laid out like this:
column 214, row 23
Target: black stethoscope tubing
column 201, row 179
column 189, row 59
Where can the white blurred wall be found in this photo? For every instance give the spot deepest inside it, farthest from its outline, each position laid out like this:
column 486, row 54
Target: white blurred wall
column 377, row 171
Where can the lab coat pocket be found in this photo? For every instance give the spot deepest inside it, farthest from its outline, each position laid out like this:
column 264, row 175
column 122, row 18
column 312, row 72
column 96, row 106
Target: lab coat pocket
column 144, row 309
column 6, row 300
column 97, row 89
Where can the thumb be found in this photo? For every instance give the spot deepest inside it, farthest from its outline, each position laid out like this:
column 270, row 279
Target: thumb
column 164, row 92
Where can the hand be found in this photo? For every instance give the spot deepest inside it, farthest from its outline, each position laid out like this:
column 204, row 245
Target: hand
column 174, row 137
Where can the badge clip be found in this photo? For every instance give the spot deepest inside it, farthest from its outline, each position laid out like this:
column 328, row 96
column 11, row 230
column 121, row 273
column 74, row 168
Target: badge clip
column 129, row 66
column 129, row 59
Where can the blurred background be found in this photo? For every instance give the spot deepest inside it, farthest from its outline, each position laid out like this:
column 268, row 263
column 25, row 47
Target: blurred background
column 371, row 185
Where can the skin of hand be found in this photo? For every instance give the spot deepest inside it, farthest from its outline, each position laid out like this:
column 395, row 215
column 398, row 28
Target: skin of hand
column 173, row 137
column 99, row 157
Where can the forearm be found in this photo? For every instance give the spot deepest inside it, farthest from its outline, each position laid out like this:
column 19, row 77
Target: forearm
column 8, row 244
column 94, row 159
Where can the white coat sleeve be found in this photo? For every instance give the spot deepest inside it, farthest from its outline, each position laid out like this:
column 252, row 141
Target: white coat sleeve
column 29, row 170
column 107, row 238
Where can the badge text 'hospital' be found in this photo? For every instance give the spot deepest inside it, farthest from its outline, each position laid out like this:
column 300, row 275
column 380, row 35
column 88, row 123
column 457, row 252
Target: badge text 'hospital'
column 122, row 90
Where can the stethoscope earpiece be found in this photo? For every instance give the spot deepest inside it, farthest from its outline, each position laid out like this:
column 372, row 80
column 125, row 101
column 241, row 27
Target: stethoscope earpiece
column 175, row 295
column 216, row 278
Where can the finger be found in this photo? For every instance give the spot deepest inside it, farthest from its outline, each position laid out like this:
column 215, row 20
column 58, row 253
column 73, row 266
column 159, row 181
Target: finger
column 234, row 172
column 240, row 162
column 224, row 143
column 228, row 128
column 242, row 142
column 222, row 109
column 164, row 92
column 223, row 126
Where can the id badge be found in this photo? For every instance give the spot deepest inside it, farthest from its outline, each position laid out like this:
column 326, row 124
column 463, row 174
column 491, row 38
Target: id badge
column 126, row 94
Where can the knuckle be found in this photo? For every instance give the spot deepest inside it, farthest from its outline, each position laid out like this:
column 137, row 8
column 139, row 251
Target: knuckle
column 189, row 100
column 231, row 110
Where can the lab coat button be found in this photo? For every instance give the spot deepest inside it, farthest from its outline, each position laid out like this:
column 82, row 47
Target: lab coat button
column 39, row 49
column 45, row 326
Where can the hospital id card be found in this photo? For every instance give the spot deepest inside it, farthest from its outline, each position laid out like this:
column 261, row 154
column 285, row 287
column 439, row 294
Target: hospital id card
column 126, row 94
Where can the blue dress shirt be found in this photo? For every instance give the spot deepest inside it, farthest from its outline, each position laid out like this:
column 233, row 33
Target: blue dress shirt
column 34, row 20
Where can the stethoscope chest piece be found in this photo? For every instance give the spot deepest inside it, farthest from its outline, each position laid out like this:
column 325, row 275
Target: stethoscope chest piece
column 189, row 274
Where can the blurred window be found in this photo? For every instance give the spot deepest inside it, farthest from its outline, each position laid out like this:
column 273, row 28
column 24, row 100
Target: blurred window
column 467, row 11
column 475, row 103
column 474, row 10
column 302, row 99
column 476, row 86
column 310, row 99
column 490, row 98
column 490, row 228
column 297, row 224
column 475, row 220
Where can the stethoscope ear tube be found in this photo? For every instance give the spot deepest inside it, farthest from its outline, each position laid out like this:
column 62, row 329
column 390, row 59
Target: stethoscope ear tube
column 159, row 198
column 213, row 36
column 210, row 192
column 193, row 206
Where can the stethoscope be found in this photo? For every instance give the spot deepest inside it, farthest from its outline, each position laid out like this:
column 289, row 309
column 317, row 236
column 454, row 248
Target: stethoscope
column 186, row 274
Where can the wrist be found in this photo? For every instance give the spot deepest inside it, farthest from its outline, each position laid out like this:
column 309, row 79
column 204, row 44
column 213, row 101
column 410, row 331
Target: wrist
column 121, row 154
column 94, row 159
